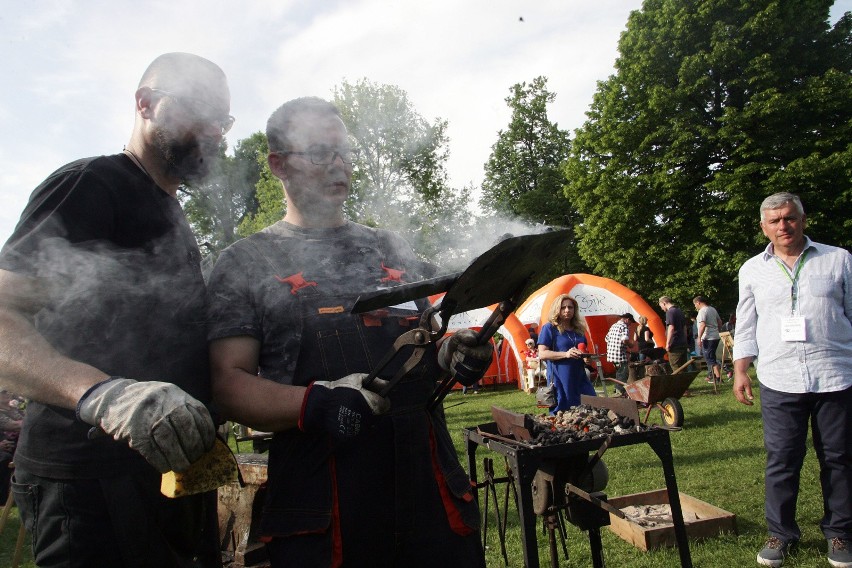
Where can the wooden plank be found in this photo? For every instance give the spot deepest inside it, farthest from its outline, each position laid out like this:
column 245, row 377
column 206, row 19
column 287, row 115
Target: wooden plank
column 237, row 508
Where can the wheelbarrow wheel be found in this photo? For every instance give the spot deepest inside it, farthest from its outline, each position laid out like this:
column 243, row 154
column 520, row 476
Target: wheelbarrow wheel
column 672, row 412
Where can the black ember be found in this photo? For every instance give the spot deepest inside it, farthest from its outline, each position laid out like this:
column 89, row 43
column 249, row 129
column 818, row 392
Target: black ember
column 580, row 423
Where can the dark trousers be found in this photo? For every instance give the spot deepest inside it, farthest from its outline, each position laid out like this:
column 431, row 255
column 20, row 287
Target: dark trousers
column 677, row 357
column 116, row 522
column 5, row 476
column 785, row 429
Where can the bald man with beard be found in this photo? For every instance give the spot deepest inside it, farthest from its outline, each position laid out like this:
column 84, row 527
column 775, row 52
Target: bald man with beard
column 102, row 307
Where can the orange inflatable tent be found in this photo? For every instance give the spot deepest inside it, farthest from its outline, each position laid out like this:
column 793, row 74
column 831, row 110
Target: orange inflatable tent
column 504, row 367
column 601, row 302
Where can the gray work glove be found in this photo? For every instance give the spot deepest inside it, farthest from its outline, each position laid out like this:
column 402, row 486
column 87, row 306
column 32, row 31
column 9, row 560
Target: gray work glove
column 463, row 358
column 342, row 408
column 159, row 420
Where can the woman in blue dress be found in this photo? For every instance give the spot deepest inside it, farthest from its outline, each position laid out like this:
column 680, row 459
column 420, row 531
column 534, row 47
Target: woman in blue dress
column 558, row 344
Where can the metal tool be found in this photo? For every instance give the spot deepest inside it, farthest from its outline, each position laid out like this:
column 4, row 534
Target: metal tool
column 417, row 339
column 532, row 462
column 498, row 276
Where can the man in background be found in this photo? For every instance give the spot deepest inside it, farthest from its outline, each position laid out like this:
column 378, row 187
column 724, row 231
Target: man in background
column 709, row 323
column 676, row 345
column 618, row 342
column 794, row 318
column 533, row 329
column 102, row 310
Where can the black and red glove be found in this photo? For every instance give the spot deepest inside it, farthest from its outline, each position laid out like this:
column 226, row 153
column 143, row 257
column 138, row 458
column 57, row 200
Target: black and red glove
column 464, row 358
column 342, row 408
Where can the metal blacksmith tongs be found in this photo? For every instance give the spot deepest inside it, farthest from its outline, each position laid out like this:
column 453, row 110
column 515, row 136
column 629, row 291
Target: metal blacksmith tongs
column 498, row 276
column 418, row 339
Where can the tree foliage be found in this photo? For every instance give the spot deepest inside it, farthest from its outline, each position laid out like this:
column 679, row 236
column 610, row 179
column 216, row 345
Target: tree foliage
column 399, row 181
column 715, row 104
column 269, row 195
column 523, row 177
column 216, row 208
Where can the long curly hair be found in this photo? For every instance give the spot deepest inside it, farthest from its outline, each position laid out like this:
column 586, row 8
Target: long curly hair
column 577, row 323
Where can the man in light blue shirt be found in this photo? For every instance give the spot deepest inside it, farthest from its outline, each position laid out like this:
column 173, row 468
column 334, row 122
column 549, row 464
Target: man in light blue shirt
column 794, row 319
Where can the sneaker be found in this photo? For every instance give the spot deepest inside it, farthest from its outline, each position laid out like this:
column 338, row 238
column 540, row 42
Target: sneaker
column 774, row 552
column 839, row 554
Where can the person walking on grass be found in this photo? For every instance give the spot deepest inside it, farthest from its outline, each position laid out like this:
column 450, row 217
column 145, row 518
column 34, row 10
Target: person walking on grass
column 676, row 344
column 708, row 336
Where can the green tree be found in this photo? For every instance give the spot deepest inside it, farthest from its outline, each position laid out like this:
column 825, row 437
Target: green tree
column 216, row 208
column 269, row 196
column 714, row 105
column 399, row 182
column 523, row 179
column 522, row 175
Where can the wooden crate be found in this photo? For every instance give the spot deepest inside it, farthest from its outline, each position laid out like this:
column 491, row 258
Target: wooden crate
column 712, row 520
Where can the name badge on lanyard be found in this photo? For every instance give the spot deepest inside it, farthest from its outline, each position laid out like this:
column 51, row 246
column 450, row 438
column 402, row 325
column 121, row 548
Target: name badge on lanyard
column 793, row 329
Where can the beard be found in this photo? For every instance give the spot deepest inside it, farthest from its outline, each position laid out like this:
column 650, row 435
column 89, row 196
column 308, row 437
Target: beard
column 189, row 159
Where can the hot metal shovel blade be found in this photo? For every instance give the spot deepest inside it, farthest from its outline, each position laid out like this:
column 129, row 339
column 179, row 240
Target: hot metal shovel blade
column 498, row 274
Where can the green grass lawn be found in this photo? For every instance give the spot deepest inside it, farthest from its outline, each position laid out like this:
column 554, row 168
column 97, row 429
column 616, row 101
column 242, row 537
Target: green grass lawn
column 718, row 458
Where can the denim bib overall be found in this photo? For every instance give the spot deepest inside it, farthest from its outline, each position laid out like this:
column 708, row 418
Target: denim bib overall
column 401, row 476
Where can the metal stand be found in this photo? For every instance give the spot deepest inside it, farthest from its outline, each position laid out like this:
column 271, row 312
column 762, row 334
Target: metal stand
column 239, row 506
column 525, row 461
column 490, row 485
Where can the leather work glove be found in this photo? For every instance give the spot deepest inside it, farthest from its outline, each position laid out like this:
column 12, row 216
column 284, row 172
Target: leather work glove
column 159, row 420
column 463, row 358
column 343, row 407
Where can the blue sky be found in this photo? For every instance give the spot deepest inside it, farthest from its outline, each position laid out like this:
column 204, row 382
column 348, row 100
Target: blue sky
column 70, row 68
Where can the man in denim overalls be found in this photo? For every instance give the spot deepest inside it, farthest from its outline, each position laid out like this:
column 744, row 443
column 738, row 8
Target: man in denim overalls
column 354, row 479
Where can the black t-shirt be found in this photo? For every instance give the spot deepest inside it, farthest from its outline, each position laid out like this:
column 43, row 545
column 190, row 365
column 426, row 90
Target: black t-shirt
column 127, row 297
column 263, row 285
column 643, row 343
column 674, row 316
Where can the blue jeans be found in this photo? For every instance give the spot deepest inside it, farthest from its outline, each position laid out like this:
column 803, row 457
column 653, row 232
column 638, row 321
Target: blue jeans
column 622, row 371
column 785, row 430
column 708, row 347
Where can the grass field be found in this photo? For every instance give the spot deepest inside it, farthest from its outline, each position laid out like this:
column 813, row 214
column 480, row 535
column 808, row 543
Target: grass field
column 718, row 458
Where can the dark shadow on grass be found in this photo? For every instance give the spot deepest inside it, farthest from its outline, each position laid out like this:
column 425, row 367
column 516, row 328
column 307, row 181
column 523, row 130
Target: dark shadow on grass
column 717, row 419
column 698, row 458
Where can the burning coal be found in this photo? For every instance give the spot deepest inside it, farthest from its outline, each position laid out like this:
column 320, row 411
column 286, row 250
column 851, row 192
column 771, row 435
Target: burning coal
column 581, row 423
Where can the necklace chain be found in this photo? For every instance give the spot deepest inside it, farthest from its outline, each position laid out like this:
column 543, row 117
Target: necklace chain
column 135, row 160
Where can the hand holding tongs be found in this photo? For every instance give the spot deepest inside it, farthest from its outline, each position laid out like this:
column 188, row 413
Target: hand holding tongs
column 418, row 339
column 498, row 276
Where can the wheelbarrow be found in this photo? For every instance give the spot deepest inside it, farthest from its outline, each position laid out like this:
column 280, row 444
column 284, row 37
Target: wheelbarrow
column 662, row 392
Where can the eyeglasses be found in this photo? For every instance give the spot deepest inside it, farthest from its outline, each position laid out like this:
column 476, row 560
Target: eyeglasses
column 326, row 156
column 209, row 115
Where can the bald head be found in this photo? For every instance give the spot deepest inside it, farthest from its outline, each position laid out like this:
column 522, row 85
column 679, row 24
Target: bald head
column 182, row 113
column 188, row 75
